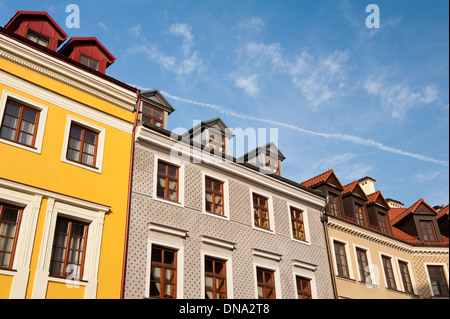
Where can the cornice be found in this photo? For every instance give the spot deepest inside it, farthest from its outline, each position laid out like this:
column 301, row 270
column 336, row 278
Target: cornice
column 382, row 240
column 46, row 65
column 192, row 154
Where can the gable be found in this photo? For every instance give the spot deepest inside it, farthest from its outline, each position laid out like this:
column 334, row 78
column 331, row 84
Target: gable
column 332, row 180
column 380, row 201
column 424, row 209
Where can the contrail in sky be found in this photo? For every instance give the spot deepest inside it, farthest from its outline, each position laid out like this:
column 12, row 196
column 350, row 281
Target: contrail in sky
column 337, row 136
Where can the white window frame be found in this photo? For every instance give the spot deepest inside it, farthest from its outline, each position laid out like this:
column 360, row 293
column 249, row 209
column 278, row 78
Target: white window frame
column 411, row 275
column 347, row 254
column 100, row 143
column 307, row 271
column 24, row 242
column 43, row 110
column 181, row 167
column 444, row 266
column 304, row 210
column 226, row 194
column 172, row 238
column 269, row 261
column 92, row 214
column 269, row 197
column 395, row 270
column 219, row 249
column 370, row 264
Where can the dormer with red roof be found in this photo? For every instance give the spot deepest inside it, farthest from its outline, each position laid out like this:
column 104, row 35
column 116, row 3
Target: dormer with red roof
column 378, row 212
column 442, row 218
column 39, row 27
column 88, row 51
column 419, row 220
column 354, row 200
column 329, row 185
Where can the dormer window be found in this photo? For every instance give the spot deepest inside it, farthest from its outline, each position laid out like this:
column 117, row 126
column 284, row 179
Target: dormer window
column 39, row 39
column 427, row 230
column 272, row 163
column 88, row 61
column 216, row 141
column 153, row 115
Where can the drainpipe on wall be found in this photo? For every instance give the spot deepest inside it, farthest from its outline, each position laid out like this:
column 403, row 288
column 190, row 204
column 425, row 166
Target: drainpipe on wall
column 324, row 219
column 130, row 179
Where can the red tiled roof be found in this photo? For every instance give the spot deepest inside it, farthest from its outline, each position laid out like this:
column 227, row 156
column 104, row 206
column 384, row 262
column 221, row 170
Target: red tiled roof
column 442, row 212
column 398, row 215
column 318, row 179
column 349, row 187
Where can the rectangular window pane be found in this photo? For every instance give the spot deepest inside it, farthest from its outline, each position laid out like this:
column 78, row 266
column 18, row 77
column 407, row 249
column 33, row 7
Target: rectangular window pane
column 9, row 224
column 82, row 140
column 163, row 273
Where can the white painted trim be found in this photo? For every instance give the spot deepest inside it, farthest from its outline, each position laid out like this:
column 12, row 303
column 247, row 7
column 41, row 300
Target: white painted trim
column 172, row 241
column 269, row 197
column 444, row 266
column 92, row 254
column 395, row 269
column 268, row 261
column 305, row 214
column 42, row 63
column 411, row 275
column 24, row 243
column 100, row 144
column 347, row 254
column 306, row 271
column 217, row 248
column 43, row 110
column 372, row 270
column 180, row 165
column 226, row 194
column 64, row 102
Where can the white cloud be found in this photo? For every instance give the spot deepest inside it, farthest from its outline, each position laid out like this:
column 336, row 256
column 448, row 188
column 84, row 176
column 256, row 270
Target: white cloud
column 399, row 98
column 423, row 177
column 103, row 26
column 248, row 83
column 337, row 136
column 254, row 24
column 183, row 64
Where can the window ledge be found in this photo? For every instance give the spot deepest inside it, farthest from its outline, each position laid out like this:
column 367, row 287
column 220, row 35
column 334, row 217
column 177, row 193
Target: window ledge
column 346, row 278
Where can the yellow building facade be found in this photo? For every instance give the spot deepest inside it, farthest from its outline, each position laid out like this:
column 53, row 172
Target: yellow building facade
column 65, row 150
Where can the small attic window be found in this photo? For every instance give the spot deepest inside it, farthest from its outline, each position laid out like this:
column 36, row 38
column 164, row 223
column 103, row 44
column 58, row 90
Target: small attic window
column 216, row 141
column 153, row 115
column 39, row 39
column 88, row 61
column 272, row 163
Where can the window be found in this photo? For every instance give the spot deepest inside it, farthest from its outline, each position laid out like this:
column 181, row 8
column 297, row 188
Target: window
column 333, row 207
column 383, row 222
column 216, row 141
column 82, row 147
column 360, row 215
column 69, row 247
column 215, row 279
column 439, row 285
column 363, row 265
column 152, row 115
column 10, row 217
column 427, row 230
column 272, row 163
column 389, row 272
column 341, row 259
column 167, row 181
column 88, row 61
column 265, row 283
column 298, row 227
column 303, row 288
column 261, row 211
column 35, row 37
column 406, row 278
column 214, row 196
column 20, row 124
column 163, row 273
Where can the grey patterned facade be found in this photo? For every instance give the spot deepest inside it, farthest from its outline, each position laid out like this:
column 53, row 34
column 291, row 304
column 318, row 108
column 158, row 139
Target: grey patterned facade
column 187, row 228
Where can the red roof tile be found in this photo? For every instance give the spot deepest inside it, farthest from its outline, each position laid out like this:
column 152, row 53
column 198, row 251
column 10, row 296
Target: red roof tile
column 442, row 212
column 398, row 215
column 318, row 179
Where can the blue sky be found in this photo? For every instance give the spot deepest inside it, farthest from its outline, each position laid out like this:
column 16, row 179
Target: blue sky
column 365, row 102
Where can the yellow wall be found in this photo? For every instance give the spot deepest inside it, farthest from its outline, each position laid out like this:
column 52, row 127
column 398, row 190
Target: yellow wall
column 47, row 171
column 5, row 286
